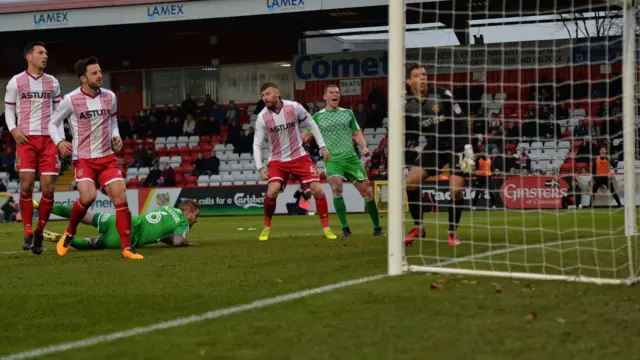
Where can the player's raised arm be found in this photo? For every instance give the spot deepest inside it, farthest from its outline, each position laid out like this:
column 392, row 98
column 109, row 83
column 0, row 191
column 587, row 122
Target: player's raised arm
column 357, row 134
column 258, row 138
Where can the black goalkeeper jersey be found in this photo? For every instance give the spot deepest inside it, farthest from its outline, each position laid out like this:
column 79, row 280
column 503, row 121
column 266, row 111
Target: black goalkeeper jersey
column 438, row 118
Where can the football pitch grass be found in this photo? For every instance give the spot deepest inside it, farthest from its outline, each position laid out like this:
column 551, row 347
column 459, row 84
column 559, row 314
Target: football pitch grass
column 48, row 301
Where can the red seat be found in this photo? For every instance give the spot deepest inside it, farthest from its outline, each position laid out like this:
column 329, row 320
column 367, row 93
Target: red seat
column 173, row 151
column 139, row 141
column 191, row 179
column 179, row 178
column 206, row 148
column 196, row 149
column 151, row 141
column 133, row 184
column 128, row 159
column 188, row 168
column 128, row 151
column 162, row 151
column 205, row 139
column 128, row 142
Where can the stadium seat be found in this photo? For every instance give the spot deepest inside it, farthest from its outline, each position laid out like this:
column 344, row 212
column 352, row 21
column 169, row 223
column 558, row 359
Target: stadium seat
column 4, row 175
column 381, row 131
column 143, row 171
column 218, row 147
column 132, row 171
column 12, row 186
column 251, row 179
column 238, row 180
column 36, row 186
column 176, row 159
column 228, row 147
column 227, row 180
column 246, row 127
column 536, row 145
column 203, row 180
column 369, row 131
column 128, row 159
column 193, row 140
column 215, row 178
column 549, row 145
column 133, row 184
column 233, row 157
column 236, row 167
column 248, row 166
column 245, row 156
column 224, row 167
column 129, row 177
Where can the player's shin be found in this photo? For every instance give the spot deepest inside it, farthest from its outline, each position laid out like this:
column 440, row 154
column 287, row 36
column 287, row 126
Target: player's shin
column 322, row 207
column 415, row 205
column 269, row 210
column 44, row 209
column 455, row 213
column 123, row 224
column 26, row 212
column 372, row 210
column 341, row 210
column 77, row 214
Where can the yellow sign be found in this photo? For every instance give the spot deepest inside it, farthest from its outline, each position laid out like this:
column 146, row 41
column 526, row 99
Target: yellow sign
column 381, row 196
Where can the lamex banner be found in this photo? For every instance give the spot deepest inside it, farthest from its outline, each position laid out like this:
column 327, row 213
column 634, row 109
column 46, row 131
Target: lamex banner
column 149, row 13
column 471, row 58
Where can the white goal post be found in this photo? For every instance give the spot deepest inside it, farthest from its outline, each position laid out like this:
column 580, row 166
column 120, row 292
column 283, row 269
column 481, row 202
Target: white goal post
column 533, row 238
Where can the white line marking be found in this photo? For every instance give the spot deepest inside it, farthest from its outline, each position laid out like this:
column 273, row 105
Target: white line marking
column 185, row 320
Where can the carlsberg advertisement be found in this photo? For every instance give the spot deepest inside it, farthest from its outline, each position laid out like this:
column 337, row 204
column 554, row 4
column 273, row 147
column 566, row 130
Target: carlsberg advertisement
column 228, row 200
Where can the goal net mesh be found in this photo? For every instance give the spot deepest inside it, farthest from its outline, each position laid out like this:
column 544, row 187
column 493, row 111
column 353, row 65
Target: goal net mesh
column 541, row 89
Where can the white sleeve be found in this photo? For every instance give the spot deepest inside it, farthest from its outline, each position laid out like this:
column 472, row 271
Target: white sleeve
column 57, row 95
column 258, row 138
column 62, row 112
column 10, row 100
column 114, row 118
column 306, row 120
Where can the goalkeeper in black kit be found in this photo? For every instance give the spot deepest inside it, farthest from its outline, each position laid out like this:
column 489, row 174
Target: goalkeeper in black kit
column 432, row 112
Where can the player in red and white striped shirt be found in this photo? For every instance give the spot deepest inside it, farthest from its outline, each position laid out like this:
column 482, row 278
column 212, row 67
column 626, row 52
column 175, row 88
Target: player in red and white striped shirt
column 92, row 116
column 30, row 98
column 281, row 120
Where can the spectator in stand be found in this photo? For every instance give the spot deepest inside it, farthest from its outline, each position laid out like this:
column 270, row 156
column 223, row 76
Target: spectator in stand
column 374, row 118
column 3, row 187
column 580, row 88
column 201, row 166
column 498, row 162
column 251, row 133
column 189, row 105
column 242, row 144
column 232, row 113
column 530, row 128
column 152, row 177
column 213, row 127
column 361, row 115
column 207, row 107
column 9, row 210
column 581, row 130
column 603, row 110
column 189, row 126
column 587, row 151
column 522, row 161
column 614, row 128
column 233, row 134
column 595, row 130
column 549, row 130
column 167, row 127
column 201, row 126
column 379, row 159
column 218, row 114
column 153, row 127
column 545, row 113
column 124, row 127
column 142, row 157
column 213, row 163
column 167, row 177
column 512, row 133
column 616, row 107
column 376, row 97
column 562, row 112
column 176, row 126
column 316, row 108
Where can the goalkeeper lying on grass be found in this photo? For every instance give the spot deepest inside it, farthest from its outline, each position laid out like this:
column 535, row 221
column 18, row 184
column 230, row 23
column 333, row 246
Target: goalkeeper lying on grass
column 166, row 224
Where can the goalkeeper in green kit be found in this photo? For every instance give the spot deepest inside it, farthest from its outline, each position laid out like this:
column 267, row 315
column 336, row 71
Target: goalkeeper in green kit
column 339, row 128
column 166, row 224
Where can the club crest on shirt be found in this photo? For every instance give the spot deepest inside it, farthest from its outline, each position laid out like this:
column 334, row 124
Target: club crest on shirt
column 435, row 108
column 107, row 103
column 290, row 114
column 162, row 199
column 80, row 172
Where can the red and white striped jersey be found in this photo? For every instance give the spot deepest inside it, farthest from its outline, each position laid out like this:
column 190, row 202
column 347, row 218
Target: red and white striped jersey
column 283, row 128
column 34, row 100
column 92, row 120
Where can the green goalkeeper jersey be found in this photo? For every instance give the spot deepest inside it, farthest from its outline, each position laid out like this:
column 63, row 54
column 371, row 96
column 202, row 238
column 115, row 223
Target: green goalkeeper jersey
column 152, row 227
column 337, row 128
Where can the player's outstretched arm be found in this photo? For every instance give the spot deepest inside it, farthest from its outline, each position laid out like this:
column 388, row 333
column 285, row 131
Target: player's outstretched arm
column 258, row 138
column 176, row 241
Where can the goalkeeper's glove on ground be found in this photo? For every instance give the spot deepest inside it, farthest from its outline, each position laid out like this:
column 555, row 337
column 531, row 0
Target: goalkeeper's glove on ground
column 467, row 160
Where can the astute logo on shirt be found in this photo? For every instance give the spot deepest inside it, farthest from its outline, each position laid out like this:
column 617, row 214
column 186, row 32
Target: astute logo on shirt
column 282, row 127
column 94, row 113
column 37, row 95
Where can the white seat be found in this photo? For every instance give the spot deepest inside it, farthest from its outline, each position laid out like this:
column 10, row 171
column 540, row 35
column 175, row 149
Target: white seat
column 487, row 97
column 218, row 147
column 232, row 162
column 251, row 179
column 183, row 139
column 236, row 173
column 245, row 127
column 248, row 166
column 579, row 113
column 12, row 186
column 557, row 163
column 143, row 171
column 171, row 140
column 161, row 140
column 131, row 177
column 500, row 96
column 245, row 156
column 158, row 146
column 245, row 161
column 247, row 173
column 215, row 183
column 221, row 156
column 4, row 175
column 236, row 167
column 132, row 171
column 536, row 145
column 369, row 131
column 549, row 145
column 36, row 186
column 381, row 131
column 176, row 160
column 233, row 157
column 564, row 145
column 216, row 178
column 385, row 122
column 523, row 145
column 227, row 180
column 194, row 140
column 164, row 159
column 535, row 152
column 228, row 147
column 225, row 167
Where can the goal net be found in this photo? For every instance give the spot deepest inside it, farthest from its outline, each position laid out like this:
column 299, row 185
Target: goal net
column 547, row 93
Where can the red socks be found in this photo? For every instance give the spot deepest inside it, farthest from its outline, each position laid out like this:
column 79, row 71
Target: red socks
column 26, row 211
column 123, row 224
column 46, row 205
column 78, row 211
column 269, row 209
column 323, row 210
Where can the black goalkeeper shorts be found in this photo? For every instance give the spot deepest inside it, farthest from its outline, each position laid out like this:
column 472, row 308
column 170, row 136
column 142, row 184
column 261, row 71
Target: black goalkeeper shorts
column 433, row 161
